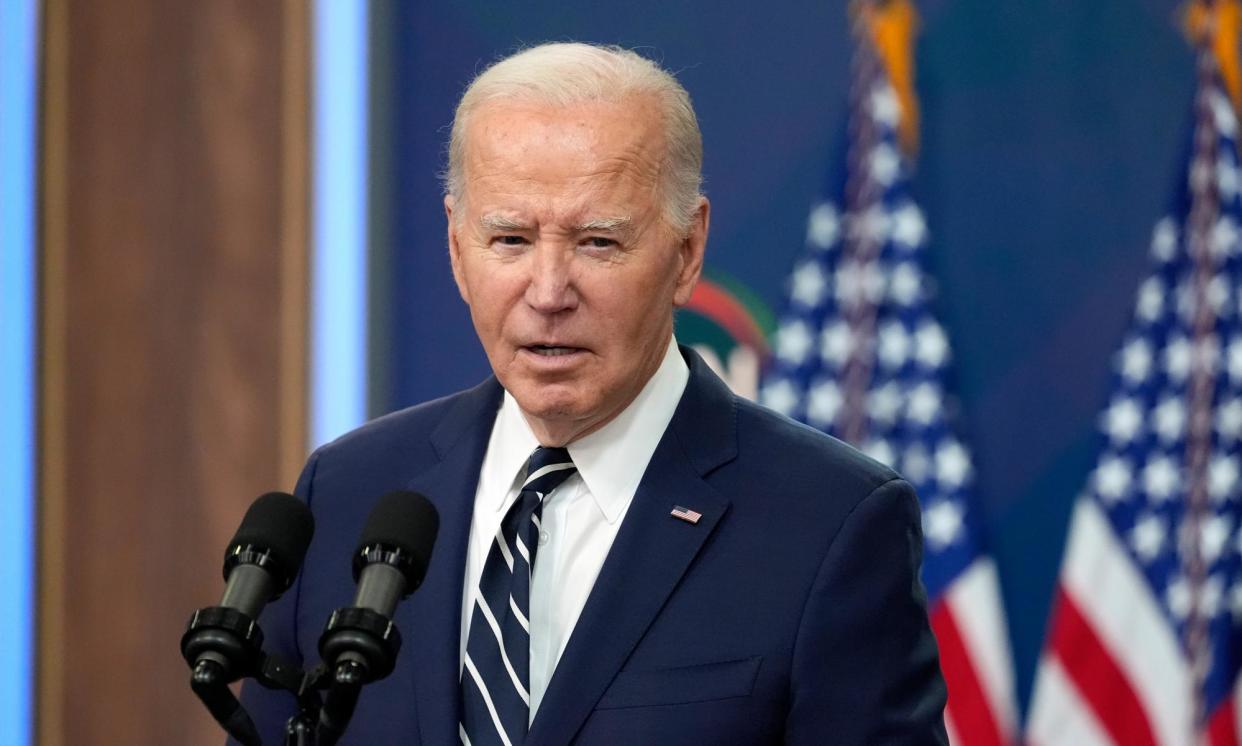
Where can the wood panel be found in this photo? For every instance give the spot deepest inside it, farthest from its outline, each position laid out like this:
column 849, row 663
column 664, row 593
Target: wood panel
column 173, row 337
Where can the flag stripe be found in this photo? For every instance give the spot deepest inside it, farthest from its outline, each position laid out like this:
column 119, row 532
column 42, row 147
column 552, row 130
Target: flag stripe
column 972, row 718
column 1222, row 727
column 1056, row 717
column 950, row 727
column 1237, row 708
column 1103, row 686
column 980, row 616
column 1119, row 606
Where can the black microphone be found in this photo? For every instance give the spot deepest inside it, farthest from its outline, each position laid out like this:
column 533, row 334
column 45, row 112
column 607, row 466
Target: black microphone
column 265, row 554
column 361, row 643
column 389, row 565
column 224, row 643
column 394, row 550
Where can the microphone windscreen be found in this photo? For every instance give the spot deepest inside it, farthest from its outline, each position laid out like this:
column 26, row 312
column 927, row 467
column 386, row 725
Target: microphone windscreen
column 281, row 524
column 406, row 521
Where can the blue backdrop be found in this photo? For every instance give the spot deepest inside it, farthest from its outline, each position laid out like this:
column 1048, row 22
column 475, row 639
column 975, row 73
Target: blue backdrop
column 1051, row 138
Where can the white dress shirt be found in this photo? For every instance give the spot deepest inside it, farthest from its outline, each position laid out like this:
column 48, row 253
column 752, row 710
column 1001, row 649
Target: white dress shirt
column 580, row 518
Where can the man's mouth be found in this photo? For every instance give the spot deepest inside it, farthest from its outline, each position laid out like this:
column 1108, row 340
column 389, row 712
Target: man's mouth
column 552, row 350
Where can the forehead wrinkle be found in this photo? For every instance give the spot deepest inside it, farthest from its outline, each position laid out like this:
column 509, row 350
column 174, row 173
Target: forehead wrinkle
column 554, row 178
column 638, row 162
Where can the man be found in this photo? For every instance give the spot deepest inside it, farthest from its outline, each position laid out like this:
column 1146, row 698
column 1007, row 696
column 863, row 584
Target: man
column 628, row 553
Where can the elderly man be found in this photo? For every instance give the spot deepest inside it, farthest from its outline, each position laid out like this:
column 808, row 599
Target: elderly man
column 628, row 553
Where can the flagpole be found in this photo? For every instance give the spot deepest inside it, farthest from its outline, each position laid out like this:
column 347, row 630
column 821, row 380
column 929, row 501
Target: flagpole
column 862, row 241
column 1204, row 213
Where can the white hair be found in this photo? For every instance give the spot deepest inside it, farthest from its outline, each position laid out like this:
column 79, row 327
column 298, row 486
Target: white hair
column 562, row 74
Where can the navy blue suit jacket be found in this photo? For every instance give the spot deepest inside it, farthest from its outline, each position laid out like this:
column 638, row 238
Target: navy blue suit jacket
column 792, row 612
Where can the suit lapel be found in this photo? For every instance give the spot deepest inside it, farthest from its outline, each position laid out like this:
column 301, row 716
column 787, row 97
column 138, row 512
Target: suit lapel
column 435, row 630
column 651, row 553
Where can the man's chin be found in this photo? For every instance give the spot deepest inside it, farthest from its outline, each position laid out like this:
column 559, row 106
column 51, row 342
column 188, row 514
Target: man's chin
column 556, row 407
column 551, row 409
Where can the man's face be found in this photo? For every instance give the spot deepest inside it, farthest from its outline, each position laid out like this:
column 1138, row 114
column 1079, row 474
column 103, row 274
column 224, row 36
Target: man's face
column 561, row 250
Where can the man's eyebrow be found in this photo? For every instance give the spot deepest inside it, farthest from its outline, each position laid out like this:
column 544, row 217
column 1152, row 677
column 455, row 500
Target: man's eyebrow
column 501, row 223
column 603, row 224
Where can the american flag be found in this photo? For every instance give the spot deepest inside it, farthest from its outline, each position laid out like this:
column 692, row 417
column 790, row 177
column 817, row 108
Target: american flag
column 860, row 355
column 1143, row 644
column 686, row 514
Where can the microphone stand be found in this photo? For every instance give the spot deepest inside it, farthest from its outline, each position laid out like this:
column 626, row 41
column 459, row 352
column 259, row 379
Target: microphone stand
column 300, row 728
column 361, row 646
column 223, row 645
column 321, row 721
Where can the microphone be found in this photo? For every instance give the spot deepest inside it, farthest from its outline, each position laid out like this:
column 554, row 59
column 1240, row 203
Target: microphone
column 360, row 643
column 394, row 550
column 224, row 643
column 389, row 564
column 265, row 554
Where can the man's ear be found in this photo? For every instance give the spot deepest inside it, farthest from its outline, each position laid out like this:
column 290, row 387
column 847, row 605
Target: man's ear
column 454, row 246
column 692, row 248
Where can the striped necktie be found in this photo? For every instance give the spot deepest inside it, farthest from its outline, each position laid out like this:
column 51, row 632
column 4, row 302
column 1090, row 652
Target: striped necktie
column 495, row 680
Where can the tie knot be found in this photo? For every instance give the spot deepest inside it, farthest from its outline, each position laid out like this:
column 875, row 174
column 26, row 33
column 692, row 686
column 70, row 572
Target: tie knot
column 547, row 468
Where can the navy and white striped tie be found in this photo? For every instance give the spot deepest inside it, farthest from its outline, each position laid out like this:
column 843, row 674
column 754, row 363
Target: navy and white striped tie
column 495, row 681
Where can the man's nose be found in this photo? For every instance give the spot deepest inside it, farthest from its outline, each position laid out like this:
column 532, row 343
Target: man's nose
column 551, row 288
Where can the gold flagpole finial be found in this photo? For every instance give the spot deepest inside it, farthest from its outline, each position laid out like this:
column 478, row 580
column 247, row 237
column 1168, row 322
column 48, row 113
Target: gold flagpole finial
column 890, row 26
column 1216, row 25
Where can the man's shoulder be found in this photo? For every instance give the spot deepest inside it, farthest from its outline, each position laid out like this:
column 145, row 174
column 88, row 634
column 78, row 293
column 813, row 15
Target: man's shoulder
column 410, row 433
column 786, row 452
column 745, row 448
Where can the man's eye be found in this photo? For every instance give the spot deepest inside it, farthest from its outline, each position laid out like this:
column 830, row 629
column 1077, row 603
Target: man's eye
column 599, row 242
column 510, row 240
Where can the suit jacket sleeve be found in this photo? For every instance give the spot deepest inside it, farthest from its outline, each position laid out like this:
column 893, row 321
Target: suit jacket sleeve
column 271, row 709
column 865, row 667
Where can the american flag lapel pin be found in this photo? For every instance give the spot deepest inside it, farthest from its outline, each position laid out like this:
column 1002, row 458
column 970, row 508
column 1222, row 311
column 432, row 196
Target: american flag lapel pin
column 686, row 514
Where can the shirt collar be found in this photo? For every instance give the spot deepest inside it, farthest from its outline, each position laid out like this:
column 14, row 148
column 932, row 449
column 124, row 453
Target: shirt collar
column 611, row 460
column 513, row 442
